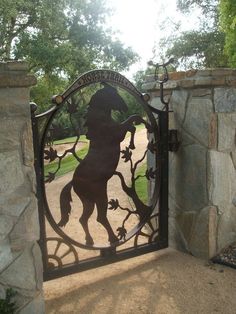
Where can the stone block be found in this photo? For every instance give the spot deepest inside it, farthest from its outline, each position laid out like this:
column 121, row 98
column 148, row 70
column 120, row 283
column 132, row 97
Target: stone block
column 218, row 81
column 17, row 79
column 227, row 132
column 202, row 92
column 224, row 99
column 11, row 129
column 175, row 237
column 213, row 132
column 188, row 184
column 11, row 172
column 156, row 103
column 221, row 178
column 198, row 119
column 178, row 102
column 177, row 75
column 207, row 72
column 26, row 230
column 35, row 306
column 191, row 73
column 6, row 256
column 231, row 81
column 6, row 224
column 184, row 138
column 222, row 72
column 21, row 273
column 170, row 85
column 203, row 81
column 233, row 156
column 14, row 204
column 187, row 83
column 14, row 102
column 17, row 66
column 149, row 86
column 27, row 145
column 185, row 222
column 203, row 234
column 226, row 226
column 37, row 255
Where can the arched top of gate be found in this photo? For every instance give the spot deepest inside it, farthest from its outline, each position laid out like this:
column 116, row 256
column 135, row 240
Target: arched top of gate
column 101, row 76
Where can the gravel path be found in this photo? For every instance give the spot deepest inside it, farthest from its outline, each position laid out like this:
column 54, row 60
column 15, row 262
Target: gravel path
column 164, row 282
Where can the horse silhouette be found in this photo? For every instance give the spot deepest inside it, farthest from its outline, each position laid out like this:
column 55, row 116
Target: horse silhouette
column 92, row 174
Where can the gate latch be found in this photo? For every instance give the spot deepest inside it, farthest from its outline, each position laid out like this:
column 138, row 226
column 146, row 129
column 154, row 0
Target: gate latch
column 174, row 142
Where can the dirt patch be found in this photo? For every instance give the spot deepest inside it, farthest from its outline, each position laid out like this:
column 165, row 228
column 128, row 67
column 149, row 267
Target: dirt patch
column 166, row 282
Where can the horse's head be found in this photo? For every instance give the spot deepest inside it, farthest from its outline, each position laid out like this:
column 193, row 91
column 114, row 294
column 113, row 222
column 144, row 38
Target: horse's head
column 108, row 99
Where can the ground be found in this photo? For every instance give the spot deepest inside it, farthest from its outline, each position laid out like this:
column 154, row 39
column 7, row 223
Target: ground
column 164, row 282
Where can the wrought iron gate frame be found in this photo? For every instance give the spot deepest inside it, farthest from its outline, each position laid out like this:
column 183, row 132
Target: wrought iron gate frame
column 107, row 256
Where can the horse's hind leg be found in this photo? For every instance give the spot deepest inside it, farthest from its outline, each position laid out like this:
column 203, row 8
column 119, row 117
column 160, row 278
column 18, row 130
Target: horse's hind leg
column 102, row 219
column 88, row 208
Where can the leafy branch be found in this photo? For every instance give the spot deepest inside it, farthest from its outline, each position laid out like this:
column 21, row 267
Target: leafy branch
column 52, row 155
column 114, row 205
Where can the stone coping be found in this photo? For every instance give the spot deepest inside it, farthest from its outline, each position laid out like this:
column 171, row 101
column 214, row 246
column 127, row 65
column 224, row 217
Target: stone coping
column 15, row 74
column 194, row 79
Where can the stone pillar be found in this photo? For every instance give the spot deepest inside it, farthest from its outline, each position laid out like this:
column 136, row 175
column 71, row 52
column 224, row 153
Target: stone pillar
column 202, row 181
column 20, row 256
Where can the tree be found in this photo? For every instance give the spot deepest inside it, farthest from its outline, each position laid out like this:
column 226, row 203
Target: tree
column 61, row 38
column 228, row 25
column 199, row 48
column 208, row 7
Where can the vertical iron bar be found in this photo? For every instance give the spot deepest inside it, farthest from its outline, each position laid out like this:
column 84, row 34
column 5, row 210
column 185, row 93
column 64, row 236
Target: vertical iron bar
column 38, row 171
column 164, row 178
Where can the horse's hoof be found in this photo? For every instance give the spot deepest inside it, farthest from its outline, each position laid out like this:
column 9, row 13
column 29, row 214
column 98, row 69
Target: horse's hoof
column 131, row 146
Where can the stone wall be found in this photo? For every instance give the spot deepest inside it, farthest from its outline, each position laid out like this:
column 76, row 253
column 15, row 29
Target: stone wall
column 20, row 256
column 202, row 181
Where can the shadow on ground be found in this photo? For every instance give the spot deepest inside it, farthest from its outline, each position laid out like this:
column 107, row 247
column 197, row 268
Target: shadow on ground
column 163, row 282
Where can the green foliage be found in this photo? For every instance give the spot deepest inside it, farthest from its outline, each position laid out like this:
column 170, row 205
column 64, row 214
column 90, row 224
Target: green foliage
column 134, row 107
column 44, row 90
column 228, row 25
column 201, row 48
column 197, row 49
column 140, row 77
column 59, row 38
column 60, row 35
column 141, row 183
column 7, row 306
column 208, row 7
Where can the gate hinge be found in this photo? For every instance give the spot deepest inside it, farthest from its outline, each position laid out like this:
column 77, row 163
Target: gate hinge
column 174, row 142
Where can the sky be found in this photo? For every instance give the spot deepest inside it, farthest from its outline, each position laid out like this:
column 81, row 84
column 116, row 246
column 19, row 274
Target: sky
column 140, row 24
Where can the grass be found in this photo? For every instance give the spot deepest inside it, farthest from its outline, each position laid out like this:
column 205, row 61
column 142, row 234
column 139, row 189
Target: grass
column 68, row 164
column 141, row 183
column 69, row 140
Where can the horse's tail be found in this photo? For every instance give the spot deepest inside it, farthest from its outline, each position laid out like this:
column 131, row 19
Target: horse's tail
column 65, row 199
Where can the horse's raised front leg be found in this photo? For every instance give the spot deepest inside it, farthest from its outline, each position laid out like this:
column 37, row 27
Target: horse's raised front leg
column 88, row 208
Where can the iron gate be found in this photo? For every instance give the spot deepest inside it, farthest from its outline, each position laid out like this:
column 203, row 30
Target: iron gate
column 99, row 200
